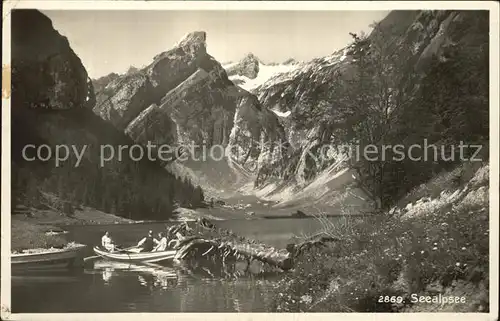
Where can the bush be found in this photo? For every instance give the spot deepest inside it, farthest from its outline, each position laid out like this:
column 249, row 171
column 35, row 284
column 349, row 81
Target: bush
column 388, row 257
column 26, row 236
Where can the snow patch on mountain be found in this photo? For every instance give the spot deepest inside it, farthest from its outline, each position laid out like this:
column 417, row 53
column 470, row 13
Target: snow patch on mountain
column 266, row 72
column 282, row 114
column 298, row 70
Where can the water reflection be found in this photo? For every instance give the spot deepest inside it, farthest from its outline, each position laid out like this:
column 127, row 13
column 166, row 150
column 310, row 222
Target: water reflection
column 195, row 286
column 149, row 277
column 121, row 287
column 106, row 275
column 161, row 280
column 143, row 281
column 214, row 269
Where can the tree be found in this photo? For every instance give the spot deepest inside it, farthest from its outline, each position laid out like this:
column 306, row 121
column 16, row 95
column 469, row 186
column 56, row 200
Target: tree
column 372, row 94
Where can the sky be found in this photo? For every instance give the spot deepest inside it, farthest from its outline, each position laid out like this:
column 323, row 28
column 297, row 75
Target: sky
column 112, row 41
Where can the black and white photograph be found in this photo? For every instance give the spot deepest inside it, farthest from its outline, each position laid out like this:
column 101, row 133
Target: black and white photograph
column 268, row 156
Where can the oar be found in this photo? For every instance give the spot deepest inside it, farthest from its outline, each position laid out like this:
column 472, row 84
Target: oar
column 153, row 265
column 126, row 249
column 86, row 260
column 91, row 258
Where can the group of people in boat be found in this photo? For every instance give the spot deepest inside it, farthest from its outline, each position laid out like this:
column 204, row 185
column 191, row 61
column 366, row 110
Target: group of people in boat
column 147, row 244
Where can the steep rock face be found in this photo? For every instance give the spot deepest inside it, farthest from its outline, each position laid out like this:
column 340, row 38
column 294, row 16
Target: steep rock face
column 248, row 67
column 128, row 95
column 257, row 137
column 54, row 78
column 51, row 104
column 429, row 34
column 189, row 89
column 123, row 99
column 202, row 106
column 284, row 94
column 186, row 98
column 265, row 72
column 101, row 82
column 310, row 82
column 152, row 125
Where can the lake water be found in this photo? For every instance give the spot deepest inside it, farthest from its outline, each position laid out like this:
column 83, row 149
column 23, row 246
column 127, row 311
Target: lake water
column 121, row 287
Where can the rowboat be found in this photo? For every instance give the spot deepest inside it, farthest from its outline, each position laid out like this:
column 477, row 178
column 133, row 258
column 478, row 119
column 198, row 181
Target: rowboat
column 52, row 259
column 133, row 256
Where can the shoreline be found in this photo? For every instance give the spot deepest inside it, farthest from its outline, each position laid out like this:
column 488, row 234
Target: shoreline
column 45, row 229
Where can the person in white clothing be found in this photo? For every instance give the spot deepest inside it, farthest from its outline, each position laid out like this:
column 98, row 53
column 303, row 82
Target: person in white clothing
column 107, row 242
column 162, row 244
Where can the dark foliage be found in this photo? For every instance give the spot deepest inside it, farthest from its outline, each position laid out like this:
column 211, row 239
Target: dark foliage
column 137, row 190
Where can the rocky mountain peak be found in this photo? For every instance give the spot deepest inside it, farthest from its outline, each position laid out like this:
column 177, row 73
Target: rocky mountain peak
column 194, row 42
column 54, row 78
column 251, row 56
column 248, row 67
column 290, row 61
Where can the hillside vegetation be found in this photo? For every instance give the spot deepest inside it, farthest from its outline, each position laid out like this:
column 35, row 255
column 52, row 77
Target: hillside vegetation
column 435, row 246
column 421, row 78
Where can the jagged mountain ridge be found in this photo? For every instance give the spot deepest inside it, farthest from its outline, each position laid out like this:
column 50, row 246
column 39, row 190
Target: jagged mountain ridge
column 184, row 97
column 248, row 67
column 101, row 82
column 251, row 72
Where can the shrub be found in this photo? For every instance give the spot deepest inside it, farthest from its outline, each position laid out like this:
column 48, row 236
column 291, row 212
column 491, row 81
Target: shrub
column 389, row 257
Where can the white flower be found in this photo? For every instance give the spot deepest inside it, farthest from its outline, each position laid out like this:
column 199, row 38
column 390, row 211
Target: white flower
column 422, row 252
column 457, row 264
column 434, row 248
column 463, row 248
column 306, row 299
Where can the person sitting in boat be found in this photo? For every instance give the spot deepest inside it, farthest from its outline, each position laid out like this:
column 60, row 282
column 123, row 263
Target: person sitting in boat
column 107, row 242
column 162, row 244
column 148, row 243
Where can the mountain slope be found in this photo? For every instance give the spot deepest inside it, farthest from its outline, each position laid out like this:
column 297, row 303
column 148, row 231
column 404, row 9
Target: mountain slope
column 52, row 98
column 184, row 98
column 435, row 47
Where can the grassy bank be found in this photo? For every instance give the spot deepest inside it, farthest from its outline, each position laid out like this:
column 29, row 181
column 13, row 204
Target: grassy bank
column 436, row 246
column 34, row 231
column 28, row 235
